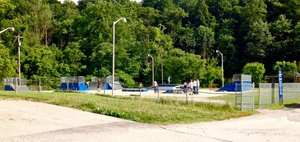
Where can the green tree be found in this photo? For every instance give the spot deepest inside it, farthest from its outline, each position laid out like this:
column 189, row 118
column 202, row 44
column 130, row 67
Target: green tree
column 8, row 65
column 212, row 71
column 206, row 38
column 256, row 70
column 258, row 39
column 285, row 66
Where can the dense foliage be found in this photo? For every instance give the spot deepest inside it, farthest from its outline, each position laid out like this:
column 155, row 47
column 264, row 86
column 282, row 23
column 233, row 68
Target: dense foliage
column 69, row 39
column 257, row 70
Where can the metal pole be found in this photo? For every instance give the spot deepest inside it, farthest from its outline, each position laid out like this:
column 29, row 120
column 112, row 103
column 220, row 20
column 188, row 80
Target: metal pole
column 19, row 54
column 259, row 97
column 7, row 29
column 222, row 71
column 39, row 85
column 186, row 96
column 140, row 91
column 242, row 86
column 113, row 69
column 16, row 86
column 104, row 88
column 253, row 87
column 236, row 95
column 157, row 92
column 152, row 69
column 162, row 67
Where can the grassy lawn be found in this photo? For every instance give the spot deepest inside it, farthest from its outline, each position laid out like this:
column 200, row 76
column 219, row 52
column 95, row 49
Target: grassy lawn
column 286, row 104
column 164, row 111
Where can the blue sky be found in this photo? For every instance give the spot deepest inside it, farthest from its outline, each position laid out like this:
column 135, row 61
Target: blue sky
column 77, row 0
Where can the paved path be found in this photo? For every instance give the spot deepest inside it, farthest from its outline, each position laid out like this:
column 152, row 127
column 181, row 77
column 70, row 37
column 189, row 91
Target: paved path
column 25, row 121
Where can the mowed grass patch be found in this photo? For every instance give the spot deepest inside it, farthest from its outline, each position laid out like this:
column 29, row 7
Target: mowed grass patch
column 286, row 104
column 164, row 111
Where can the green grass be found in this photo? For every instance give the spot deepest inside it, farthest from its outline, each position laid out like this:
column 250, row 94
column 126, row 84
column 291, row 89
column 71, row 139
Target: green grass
column 286, row 104
column 164, row 111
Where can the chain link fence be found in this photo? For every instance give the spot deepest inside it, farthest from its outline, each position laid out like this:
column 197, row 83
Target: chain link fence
column 265, row 94
column 269, row 93
column 245, row 98
column 44, row 85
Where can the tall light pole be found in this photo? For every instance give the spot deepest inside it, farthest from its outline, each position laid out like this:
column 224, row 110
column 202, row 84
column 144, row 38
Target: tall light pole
column 222, row 67
column 113, row 79
column 19, row 56
column 12, row 28
column 152, row 67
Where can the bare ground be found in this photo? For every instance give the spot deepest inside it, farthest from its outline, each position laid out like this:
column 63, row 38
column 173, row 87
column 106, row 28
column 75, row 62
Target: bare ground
column 34, row 121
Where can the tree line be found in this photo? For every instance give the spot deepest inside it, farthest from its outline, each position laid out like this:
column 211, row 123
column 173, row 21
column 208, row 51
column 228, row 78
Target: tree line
column 65, row 39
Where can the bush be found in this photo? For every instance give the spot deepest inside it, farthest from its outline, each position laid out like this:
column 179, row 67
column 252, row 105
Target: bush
column 257, row 70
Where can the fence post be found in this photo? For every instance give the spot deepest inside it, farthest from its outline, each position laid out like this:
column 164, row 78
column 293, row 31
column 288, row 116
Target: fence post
column 16, row 86
column 158, row 92
column 271, row 92
column 253, row 94
column 40, row 88
column 235, row 94
column 242, row 88
column 140, row 91
column 259, row 101
column 186, row 95
column 104, row 88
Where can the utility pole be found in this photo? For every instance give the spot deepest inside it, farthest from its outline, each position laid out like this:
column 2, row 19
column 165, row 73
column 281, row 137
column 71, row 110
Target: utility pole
column 113, row 69
column 152, row 67
column 222, row 67
column 19, row 56
column 162, row 65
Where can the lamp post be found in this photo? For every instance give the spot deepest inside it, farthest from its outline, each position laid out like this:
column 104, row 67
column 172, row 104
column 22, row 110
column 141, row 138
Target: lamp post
column 113, row 79
column 222, row 67
column 152, row 67
column 12, row 28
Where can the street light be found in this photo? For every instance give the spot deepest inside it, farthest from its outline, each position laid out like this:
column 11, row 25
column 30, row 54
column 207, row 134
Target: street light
column 113, row 79
column 12, row 28
column 222, row 67
column 152, row 67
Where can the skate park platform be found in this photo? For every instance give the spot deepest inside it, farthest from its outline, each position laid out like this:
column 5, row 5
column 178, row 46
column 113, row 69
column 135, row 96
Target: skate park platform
column 10, row 84
column 75, row 83
column 109, row 83
column 165, row 87
column 135, row 90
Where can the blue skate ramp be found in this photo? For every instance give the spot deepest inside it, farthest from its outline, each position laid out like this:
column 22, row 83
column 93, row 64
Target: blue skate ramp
column 231, row 86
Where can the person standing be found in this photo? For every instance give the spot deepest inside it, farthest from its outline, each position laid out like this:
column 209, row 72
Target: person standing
column 185, row 86
column 155, row 86
column 198, row 85
column 195, row 86
column 191, row 87
column 169, row 79
column 99, row 84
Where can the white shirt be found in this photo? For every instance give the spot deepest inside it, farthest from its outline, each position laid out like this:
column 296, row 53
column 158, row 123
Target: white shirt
column 191, row 84
column 155, row 83
column 195, row 83
column 198, row 83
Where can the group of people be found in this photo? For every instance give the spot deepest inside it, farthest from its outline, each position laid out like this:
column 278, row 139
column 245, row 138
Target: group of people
column 193, row 86
column 99, row 84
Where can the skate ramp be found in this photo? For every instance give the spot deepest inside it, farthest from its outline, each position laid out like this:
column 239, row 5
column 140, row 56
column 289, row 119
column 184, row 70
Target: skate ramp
column 117, row 86
column 236, row 86
column 20, row 88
